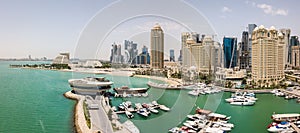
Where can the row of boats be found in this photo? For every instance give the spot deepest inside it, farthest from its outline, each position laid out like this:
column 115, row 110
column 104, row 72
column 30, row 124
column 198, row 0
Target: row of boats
column 284, row 122
column 282, row 94
column 202, row 89
column 242, row 99
column 144, row 109
column 206, row 121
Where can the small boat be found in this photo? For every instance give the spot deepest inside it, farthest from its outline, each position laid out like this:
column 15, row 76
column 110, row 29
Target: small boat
column 243, row 102
column 154, row 110
column 128, row 90
column 128, row 114
column 194, row 92
column 143, row 112
column 285, row 117
column 155, row 103
column 144, row 94
column 164, row 108
column 174, row 130
column 275, row 127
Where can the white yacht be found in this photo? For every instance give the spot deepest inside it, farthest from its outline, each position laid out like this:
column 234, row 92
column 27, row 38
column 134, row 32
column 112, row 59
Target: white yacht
column 243, row 102
column 163, row 107
column 129, row 114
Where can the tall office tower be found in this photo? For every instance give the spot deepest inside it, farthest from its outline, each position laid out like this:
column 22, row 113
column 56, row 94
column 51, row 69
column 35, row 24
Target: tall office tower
column 157, row 47
column 251, row 27
column 172, row 55
column 180, row 56
column 130, row 52
column 244, row 53
column 230, row 52
column 295, row 57
column 116, row 56
column 294, row 41
column 186, row 40
column 286, row 33
column 267, row 55
column 144, row 57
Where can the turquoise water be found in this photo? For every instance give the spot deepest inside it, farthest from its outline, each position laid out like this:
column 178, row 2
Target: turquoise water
column 33, row 101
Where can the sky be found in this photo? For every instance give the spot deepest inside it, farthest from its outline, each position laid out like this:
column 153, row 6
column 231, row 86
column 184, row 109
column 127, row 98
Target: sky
column 87, row 29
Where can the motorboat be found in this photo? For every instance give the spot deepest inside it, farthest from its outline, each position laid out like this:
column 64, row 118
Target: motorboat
column 286, row 117
column 153, row 110
column 143, row 112
column 278, row 127
column 243, row 102
column 164, row 108
column 121, row 90
column 129, row 114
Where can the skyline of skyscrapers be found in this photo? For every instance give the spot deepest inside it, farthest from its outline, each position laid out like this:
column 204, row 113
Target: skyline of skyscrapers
column 116, row 56
column 157, row 47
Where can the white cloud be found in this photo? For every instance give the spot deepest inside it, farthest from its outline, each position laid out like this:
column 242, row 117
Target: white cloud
column 268, row 9
column 226, row 9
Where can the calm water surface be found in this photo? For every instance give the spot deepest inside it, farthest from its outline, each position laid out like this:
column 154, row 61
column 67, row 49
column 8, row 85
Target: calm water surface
column 33, row 101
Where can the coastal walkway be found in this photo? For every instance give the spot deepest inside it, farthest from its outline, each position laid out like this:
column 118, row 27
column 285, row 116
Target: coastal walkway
column 99, row 118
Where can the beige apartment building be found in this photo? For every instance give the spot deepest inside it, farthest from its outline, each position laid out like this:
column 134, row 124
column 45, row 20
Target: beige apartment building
column 268, row 59
column 157, row 48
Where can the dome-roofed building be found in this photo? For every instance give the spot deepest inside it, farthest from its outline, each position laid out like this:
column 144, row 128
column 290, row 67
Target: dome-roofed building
column 267, row 56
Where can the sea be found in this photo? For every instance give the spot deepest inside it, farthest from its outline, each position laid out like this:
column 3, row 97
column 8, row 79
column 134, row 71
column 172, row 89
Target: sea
column 31, row 100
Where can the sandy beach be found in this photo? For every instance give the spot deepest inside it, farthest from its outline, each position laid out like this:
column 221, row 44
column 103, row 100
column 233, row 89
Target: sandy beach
column 171, row 81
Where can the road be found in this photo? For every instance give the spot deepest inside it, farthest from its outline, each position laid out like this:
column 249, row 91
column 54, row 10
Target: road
column 99, row 118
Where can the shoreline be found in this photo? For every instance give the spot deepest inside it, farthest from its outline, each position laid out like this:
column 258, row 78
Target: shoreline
column 79, row 119
column 171, row 81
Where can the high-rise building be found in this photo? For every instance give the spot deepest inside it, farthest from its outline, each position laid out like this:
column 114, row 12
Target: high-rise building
column 230, row 52
column 172, row 55
column 130, row 52
column 286, row 33
column 180, row 56
column 251, row 27
column 144, row 57
column 157, row 47
column 267, row 56
column 294, row 41
column 116, row 56
column 186, row 40
column 244, row 51
column 295, row 57
column 206, row 55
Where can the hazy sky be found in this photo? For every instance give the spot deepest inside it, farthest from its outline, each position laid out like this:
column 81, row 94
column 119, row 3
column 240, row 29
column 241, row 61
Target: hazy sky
column 87, row 29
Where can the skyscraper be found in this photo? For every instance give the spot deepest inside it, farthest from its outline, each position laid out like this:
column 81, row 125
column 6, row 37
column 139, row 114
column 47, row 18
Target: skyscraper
column 172, row 55
column 116, row 56
column 243, row 51
column 157, row 47
column 251, row 27
column 230, row 52
column 293, row 42
column 206, row 55
column 144, row 57
column 130, row 52
column 295, row 52
column 267, row 56
column 186, row 40
column 286, row 33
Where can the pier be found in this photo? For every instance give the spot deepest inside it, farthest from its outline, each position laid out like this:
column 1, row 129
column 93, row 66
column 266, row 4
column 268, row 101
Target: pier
column 295, row 128
column 247, row 90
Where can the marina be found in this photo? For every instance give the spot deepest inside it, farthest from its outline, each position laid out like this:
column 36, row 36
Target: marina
column 48, row 95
